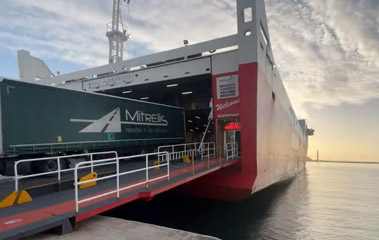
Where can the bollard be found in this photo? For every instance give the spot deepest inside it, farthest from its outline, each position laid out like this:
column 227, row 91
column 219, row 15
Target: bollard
column 157, row 165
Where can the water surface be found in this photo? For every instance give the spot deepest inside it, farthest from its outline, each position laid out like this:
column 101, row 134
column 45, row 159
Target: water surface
column 327, row 201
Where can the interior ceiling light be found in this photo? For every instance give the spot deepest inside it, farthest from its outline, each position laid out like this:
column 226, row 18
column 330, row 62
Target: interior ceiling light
column 197, row 117
column 126, row 92
column 186, row 93
column 191, row 130
column 196, row 128
column 190, row 121
column 144, row 98
column 172, row 85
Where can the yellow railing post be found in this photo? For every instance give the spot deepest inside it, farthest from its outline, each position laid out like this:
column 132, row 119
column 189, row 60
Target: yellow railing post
column 193, row 163
column 208, row 158
column 220, row 153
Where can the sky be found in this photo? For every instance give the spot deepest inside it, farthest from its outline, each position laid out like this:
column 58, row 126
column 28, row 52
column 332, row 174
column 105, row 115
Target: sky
column 327, row 52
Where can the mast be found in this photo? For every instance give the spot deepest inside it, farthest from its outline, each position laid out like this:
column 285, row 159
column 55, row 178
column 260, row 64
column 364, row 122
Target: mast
column 116, row 33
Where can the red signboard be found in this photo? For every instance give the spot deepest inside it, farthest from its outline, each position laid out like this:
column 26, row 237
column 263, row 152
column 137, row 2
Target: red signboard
column 233, row 126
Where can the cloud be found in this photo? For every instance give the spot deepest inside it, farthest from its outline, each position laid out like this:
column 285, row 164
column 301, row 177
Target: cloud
column 54, row 30
column 327, row 50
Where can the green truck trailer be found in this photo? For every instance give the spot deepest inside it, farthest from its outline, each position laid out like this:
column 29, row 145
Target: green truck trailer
column 38, row 120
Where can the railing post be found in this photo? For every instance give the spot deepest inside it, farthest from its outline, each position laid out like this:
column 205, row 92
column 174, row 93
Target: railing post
column 220, row 156
column 76, row 188
column 91, row 159
column 235, row 149
column 59, row 170
column 118, row 177
column 214, row 150
column 168, row 168
column 16, row 177
column 208, row 158
column 227, row 152
column 147, row 171
column 193, row 163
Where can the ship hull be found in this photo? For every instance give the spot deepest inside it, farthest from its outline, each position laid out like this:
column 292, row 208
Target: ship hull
column 273, row 146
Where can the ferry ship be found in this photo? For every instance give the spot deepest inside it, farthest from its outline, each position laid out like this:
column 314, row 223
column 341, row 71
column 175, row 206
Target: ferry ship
column 229, row 111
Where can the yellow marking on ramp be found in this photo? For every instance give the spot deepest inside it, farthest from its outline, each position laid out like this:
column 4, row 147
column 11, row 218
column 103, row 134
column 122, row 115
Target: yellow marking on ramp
column 24, row 197
column 15, row 198
column 9, row 200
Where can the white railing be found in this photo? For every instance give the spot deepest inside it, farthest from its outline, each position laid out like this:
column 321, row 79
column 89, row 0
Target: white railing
column 117, row 175
column 178, row 151
column 207, row 149
column 231, row 150
column 92, row 163
column 66, row 146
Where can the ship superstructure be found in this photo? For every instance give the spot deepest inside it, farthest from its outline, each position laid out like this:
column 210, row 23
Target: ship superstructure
column 236, row 78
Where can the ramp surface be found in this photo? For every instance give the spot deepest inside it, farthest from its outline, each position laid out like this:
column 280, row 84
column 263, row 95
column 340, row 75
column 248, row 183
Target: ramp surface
column 54, row 209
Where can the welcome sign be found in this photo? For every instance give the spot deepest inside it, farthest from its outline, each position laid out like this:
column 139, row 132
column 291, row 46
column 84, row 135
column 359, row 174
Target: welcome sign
column 226, row 92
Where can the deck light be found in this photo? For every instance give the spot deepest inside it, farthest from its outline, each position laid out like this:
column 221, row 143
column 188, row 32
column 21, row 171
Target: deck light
column 196, row 128
column 197, row 117
column 126, row 92
column 172, row 85
column 144, row 98
column 186, row 93
column 189, row 121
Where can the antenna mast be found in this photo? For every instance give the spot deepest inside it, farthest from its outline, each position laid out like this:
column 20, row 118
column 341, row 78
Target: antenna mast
column 117, row 33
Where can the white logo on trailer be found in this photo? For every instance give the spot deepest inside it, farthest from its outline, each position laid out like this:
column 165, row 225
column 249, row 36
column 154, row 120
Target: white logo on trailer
column 111, row 122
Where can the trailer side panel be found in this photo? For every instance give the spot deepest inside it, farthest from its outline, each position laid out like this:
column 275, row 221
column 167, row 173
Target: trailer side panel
column 35, row 115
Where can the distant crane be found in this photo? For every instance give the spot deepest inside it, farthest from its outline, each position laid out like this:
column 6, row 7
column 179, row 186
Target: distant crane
column 117, row 33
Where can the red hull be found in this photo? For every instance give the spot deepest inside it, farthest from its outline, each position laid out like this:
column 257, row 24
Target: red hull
column 266, row 132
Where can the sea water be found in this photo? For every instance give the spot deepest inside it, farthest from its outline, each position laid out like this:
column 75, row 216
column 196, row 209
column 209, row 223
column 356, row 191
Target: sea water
column 326, row 201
